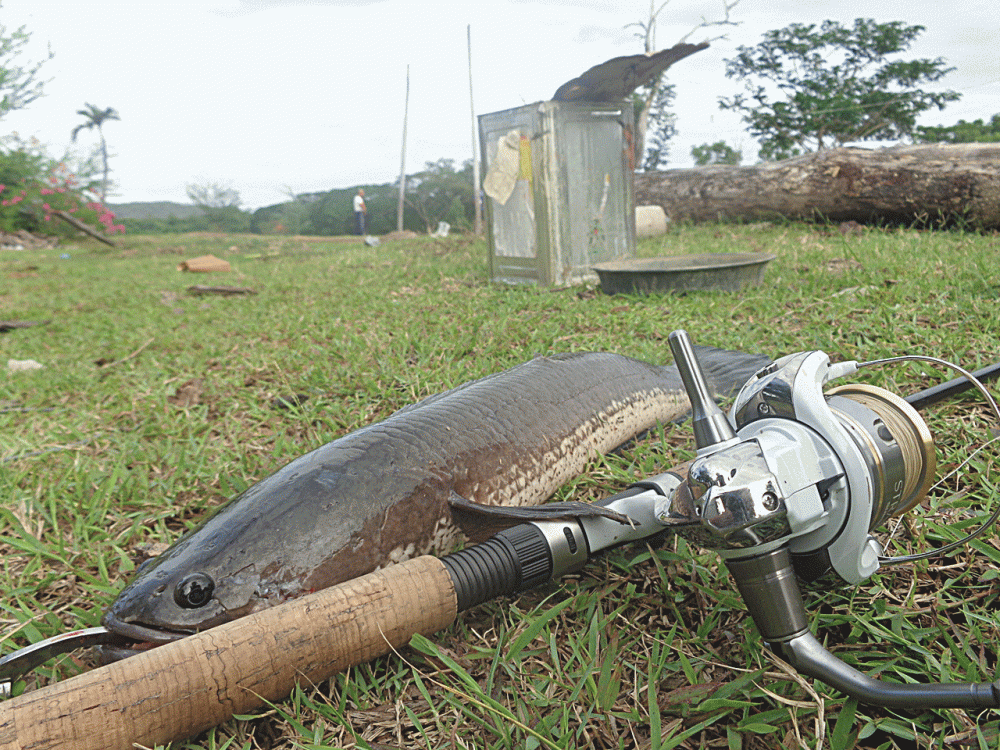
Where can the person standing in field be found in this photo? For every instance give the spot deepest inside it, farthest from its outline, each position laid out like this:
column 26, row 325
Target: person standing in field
column 360, row 211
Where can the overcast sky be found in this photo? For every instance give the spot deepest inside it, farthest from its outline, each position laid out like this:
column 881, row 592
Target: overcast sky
column 268, row 96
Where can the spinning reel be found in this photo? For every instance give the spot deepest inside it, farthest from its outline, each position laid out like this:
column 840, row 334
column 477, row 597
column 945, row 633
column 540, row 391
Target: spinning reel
column 791, row 488
column 795, row 491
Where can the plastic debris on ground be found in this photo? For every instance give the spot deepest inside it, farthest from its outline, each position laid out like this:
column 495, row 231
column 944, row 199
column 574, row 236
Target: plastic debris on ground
column 23, row 365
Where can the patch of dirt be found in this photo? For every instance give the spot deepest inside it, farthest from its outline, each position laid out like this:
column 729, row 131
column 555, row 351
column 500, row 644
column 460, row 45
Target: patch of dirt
column 838, row 266
column 188, row 394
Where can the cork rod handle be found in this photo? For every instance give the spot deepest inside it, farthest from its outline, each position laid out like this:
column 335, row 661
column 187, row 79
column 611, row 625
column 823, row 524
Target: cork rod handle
column 185, row 687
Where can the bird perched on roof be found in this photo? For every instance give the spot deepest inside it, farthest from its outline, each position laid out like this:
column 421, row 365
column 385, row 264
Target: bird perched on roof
column 615, row 79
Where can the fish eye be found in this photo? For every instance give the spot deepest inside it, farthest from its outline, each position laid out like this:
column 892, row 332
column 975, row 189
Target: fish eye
column 194, row 591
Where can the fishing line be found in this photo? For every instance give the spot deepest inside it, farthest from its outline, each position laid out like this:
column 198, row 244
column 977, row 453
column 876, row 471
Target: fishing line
column 991, row 401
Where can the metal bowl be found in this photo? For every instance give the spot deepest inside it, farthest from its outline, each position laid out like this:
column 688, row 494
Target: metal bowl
column 683, row 273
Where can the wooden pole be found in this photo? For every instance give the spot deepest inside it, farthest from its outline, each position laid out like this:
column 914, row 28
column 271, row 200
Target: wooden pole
column 476, row 190
column 185, row 687
column 402, row 158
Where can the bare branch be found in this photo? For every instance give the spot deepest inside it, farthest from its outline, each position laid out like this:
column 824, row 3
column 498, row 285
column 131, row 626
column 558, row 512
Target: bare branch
column 648, row 28
column 648, row 35
column 727, row 6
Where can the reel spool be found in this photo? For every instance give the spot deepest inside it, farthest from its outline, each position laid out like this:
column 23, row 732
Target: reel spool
column 896, row 444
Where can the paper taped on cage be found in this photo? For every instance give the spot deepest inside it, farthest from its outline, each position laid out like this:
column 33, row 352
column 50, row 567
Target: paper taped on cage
column 502, row 173
column 559, row 189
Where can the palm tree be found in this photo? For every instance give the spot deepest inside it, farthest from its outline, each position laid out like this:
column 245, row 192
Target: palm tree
column 95, row 119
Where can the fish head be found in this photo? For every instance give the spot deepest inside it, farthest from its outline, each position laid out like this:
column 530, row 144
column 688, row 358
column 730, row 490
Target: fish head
column 182, row 591
column 256, row 551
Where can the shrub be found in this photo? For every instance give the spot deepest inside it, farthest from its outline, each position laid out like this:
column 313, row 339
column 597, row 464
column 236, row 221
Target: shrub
column 34, row 187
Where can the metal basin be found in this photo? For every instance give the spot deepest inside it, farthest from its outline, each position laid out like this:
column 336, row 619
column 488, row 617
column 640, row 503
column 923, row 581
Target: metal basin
column 682, row 273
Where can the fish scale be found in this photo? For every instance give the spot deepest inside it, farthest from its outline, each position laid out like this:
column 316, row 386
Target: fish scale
column 379, row 495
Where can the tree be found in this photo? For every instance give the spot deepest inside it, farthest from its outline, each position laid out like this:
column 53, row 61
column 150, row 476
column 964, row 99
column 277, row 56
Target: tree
column 661, row 126
column 962, row 132
column 719, row 152
column 331, row 213
column 95, row 118
column 19, row 84
column 294, row 214
column 836, row 86
column 432, row 193
column 652, row 102
column 40, row 192
column 221, row 206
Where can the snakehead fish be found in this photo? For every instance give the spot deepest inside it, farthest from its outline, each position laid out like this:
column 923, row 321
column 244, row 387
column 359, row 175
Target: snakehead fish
column 381, row 494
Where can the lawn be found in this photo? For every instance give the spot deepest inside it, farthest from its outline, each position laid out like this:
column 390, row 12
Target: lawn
column 155, row 406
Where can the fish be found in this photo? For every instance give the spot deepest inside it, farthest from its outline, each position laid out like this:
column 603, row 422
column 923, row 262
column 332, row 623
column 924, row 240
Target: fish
column 380, row 494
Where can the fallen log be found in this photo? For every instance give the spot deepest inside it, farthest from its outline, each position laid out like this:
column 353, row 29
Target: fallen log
column 77, row 224
column 930, row 184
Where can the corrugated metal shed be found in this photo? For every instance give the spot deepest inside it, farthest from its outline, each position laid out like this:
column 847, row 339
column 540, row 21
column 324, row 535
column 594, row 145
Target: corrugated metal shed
column 559, row 182
column 559, row 174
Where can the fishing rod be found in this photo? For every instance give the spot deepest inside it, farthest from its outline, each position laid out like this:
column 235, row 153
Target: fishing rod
column 790, row 486
column 936, row 393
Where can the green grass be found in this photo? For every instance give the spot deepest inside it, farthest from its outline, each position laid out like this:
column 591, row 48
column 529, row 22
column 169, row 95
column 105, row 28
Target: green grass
column 107, row 456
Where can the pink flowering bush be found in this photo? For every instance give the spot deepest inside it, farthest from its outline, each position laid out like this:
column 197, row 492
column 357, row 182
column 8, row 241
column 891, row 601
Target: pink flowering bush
column 35, row 190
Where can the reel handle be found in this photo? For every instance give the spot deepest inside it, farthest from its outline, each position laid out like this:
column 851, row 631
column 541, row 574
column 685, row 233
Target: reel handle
column 768, row 586
column 711, row 428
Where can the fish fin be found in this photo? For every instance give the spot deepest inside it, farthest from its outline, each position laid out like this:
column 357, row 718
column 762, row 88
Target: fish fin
column 479, row 522
column 725, row 370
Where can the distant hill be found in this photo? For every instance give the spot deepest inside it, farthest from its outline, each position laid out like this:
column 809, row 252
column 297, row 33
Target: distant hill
column 154, row 210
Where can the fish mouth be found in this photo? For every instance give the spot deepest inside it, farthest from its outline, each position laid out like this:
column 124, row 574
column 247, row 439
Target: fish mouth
column 136, row 639
column 24, row 660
